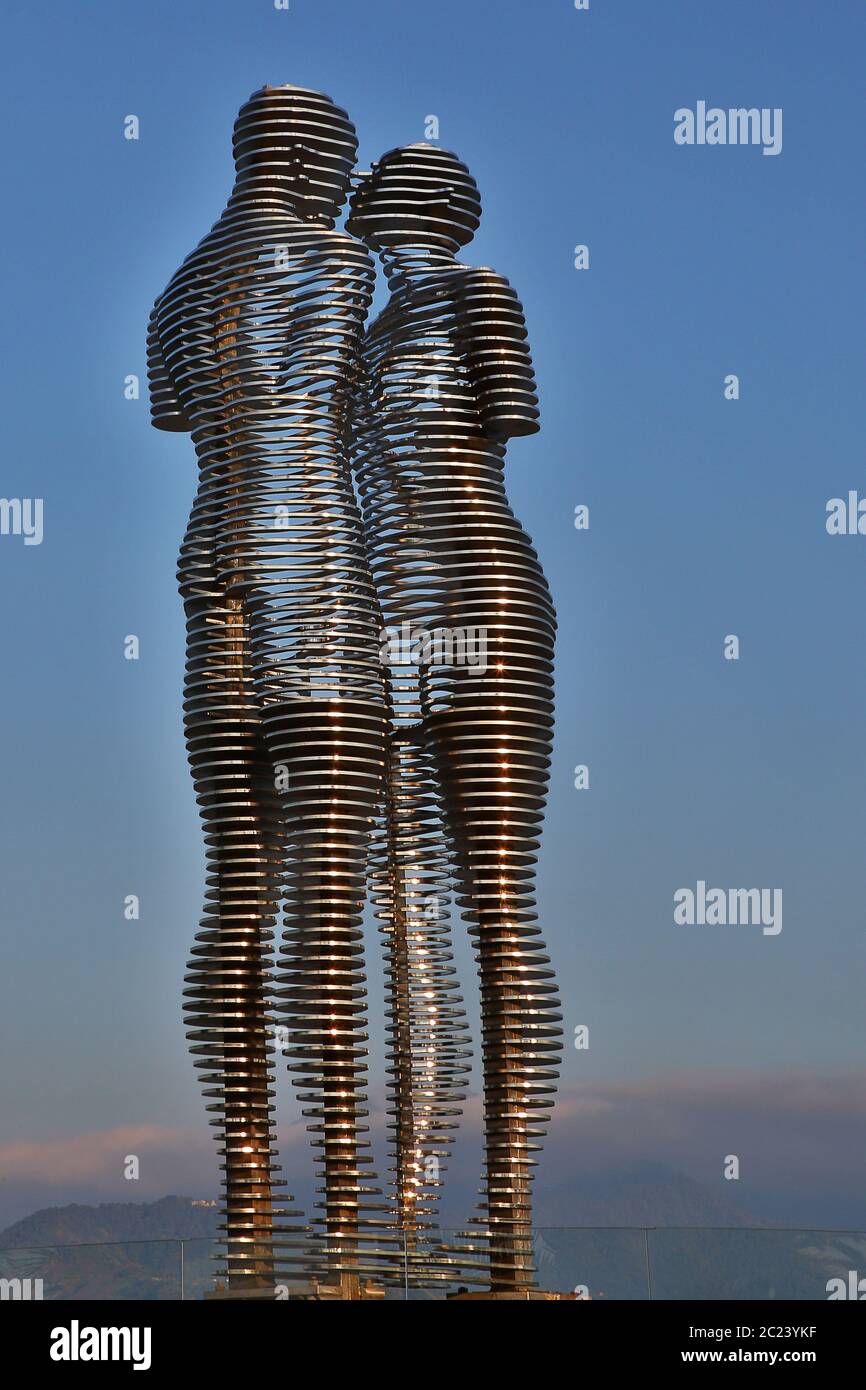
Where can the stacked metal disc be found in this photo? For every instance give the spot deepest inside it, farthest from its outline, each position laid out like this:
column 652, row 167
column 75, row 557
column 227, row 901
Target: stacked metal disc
column 298, row 749
column 412, row 883
column 253, row 347
column 448, row 380
column 427, row 1032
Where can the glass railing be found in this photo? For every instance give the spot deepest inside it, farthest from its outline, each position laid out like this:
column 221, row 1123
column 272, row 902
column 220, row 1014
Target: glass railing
column 613, row 1263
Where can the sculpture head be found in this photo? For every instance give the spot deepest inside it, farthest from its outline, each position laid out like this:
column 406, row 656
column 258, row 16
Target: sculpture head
column 297, row 144
column 417, row 195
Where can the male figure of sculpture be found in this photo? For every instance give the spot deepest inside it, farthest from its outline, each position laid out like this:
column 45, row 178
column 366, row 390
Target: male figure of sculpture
column 448, row 380
column 252, row 349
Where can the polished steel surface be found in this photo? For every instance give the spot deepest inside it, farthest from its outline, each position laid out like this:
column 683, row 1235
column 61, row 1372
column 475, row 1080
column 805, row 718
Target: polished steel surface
column 448, row 380
column 253, row 348
column 345, row 483
column 428, row 1053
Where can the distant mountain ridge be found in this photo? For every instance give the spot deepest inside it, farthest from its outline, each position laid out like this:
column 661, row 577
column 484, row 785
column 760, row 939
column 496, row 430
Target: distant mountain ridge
column 169, row 1218
column 115, row 1251
column 649, row 1196
column 588, row 1234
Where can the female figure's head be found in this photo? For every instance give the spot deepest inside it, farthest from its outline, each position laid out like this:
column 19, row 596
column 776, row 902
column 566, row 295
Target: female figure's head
column 416, row 196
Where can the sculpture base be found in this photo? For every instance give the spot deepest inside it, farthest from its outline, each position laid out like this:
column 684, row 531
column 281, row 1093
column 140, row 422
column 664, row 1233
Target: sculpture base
column 350, row 1288
column 241, row 1294
column 512, row 1296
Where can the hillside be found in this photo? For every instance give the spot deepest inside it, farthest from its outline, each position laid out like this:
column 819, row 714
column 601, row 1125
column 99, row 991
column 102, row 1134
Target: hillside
column 703, row 1245
column 170, row 1217
column 140, row 1259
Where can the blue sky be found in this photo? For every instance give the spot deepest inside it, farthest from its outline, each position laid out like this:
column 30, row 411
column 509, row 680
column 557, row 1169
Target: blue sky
column 706, row 516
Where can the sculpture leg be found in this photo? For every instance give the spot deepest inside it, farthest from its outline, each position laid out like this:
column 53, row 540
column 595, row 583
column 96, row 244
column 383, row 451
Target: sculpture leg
column 333, row 756
column 428, row 1038
column 495, row 842
column 491, row 734
column 228, row 982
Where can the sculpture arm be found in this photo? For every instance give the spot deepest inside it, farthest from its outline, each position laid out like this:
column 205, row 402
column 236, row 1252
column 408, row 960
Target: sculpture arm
column 494, row 346
column 166, row 411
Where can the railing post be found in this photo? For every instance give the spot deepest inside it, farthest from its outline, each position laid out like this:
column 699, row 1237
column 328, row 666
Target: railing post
column 649, row 1276
column 181, row 1273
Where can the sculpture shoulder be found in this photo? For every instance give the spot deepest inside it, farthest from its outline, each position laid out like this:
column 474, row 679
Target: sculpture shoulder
column 300, row 242
column 492, row 329
column 269, row 239
column 484, row 295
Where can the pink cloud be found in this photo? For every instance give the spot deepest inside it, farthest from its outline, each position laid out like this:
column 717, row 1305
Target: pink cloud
column 87, row 1157
column 791, row 1129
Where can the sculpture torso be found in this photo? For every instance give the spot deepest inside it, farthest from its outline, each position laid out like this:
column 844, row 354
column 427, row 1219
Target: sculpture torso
column 447, row 378
column 259, row 333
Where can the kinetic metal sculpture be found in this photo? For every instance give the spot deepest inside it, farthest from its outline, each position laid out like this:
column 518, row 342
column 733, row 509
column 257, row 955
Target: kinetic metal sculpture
column 318, row 767
column 448, row 381
column 253, row 346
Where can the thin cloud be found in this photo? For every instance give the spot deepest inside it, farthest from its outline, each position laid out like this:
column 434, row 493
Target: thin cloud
column 799, row 1132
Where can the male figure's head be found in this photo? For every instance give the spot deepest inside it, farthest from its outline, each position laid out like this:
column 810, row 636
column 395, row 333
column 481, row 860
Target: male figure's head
column 415, row 196
column 297, row 146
